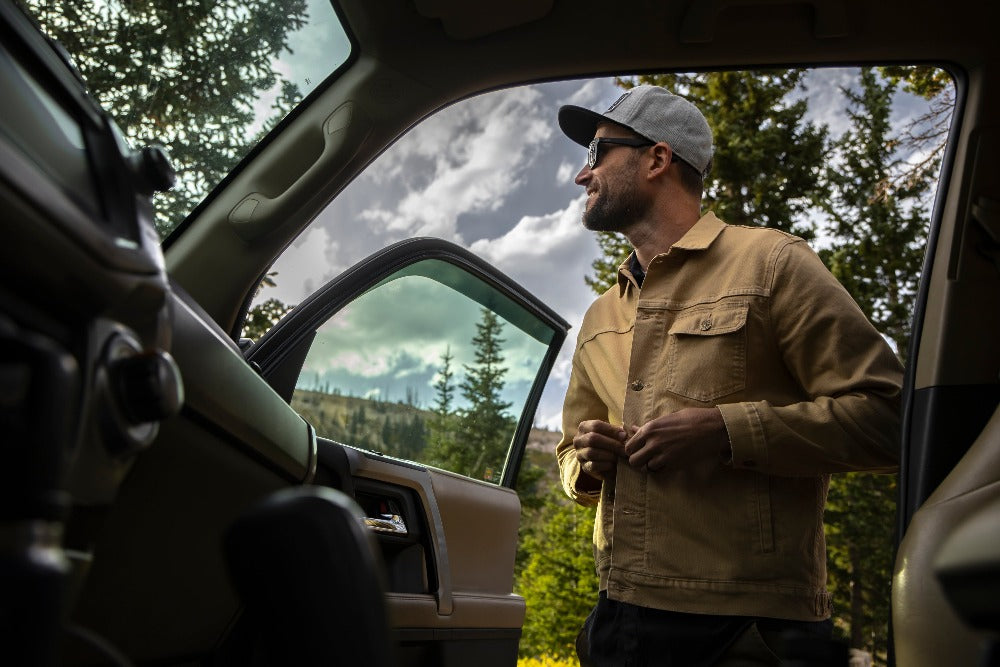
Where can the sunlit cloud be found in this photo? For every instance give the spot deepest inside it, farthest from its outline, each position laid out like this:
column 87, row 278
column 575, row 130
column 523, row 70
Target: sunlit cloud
column 593, row 94
column 552, row 254
column 313, row 263
column 477, row 170
column 567, row 171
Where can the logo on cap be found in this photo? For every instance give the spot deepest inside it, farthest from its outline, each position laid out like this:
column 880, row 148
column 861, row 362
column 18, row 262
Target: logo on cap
column 618, row 101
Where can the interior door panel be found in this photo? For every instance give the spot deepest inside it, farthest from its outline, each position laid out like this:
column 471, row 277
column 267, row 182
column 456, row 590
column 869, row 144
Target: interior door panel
column 160, row 540
column 472, row 539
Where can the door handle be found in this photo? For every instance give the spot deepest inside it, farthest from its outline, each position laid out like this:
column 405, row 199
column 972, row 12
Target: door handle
column 390, row 524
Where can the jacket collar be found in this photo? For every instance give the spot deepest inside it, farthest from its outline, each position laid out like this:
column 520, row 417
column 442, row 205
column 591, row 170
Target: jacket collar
column 699, row 237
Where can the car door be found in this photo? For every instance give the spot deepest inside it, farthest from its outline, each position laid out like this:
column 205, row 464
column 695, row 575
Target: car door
column 434, row 477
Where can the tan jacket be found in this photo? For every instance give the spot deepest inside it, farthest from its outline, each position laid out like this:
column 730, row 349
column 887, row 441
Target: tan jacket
column 751, row 321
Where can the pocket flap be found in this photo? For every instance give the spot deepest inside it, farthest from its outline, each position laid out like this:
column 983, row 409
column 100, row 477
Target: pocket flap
column 711, row 321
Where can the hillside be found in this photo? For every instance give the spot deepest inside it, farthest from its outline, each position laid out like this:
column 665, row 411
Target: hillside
column 394, row 428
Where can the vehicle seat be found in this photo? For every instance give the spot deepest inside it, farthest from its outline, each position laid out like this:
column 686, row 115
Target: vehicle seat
column 926, row 628
column 310, row 581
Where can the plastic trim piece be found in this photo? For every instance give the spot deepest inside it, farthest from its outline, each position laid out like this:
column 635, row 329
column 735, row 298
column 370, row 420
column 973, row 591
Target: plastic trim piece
column 233, row 398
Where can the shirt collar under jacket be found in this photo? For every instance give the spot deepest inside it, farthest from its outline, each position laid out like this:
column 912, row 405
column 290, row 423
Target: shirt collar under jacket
column 699, row 237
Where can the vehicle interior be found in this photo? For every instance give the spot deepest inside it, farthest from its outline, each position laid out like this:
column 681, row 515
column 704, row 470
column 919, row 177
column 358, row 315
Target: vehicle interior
column 167, row 499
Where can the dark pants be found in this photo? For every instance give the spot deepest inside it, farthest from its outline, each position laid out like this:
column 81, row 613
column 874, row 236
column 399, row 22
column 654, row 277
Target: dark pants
column 618, row 634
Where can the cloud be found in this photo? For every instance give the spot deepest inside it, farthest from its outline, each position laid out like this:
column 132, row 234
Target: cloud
column 472, row 157
column 567, row 172
column 593, row 93
column 308, row 265
column 552, row 254
column 392, row 339
column 826, row 99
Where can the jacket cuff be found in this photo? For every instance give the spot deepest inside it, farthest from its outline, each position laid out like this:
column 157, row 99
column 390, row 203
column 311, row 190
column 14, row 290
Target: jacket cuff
column 746, row 435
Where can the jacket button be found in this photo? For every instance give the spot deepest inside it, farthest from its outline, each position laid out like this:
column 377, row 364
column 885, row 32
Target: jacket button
column 637, row 385
column 706, row 324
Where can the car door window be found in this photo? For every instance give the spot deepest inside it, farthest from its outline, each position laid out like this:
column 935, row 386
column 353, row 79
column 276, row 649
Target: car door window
column 431, row 365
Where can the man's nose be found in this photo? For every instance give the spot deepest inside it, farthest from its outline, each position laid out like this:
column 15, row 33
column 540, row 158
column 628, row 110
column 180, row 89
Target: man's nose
column 583, row 176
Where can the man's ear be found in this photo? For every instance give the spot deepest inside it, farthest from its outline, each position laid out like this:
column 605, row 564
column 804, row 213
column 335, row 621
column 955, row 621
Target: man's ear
column 662, row 155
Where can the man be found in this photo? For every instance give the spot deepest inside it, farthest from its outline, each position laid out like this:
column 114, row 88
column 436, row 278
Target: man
column 714, row 388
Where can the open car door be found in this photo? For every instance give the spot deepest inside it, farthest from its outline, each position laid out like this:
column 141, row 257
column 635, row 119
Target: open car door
column 434, row 478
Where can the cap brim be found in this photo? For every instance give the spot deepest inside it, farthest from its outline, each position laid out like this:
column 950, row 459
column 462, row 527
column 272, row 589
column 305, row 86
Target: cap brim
column 580, row 124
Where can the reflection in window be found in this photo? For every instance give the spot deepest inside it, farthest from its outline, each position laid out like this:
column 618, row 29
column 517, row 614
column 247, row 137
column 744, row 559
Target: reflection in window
column 430, row 365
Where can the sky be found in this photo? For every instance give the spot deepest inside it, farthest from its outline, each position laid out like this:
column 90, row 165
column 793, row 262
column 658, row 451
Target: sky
column 495, row 174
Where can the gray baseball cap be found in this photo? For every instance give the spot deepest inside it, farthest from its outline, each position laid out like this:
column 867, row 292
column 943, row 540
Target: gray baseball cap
column 654, row 113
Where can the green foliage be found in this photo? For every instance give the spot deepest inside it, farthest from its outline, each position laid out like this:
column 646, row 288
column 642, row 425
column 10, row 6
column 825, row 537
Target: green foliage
column 766, row 168
column 396, row 429
column 927, row 81
column 926, row 135
column 615, row 248
column 879, row 228
column 262, row 317
column 558, row 581
column 444, row 423
column 485, row 427
column 548, row 661
column 860, row 522
column 474, row 440
column 184, row 75
column 879, row 225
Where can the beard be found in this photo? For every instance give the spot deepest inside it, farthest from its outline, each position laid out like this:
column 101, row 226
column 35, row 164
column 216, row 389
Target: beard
column 616, row 207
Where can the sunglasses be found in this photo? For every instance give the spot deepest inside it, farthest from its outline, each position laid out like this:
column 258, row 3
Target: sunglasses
column 595, row 146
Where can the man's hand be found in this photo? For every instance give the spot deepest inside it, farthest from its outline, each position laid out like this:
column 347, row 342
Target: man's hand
column 678, row 440
column 599, row 445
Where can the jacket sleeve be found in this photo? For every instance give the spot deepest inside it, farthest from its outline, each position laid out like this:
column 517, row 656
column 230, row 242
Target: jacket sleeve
column 581, row 403
column 853, row 378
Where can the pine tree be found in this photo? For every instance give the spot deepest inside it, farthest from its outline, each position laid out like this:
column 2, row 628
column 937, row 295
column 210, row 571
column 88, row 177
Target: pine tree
column 925, row 135
column 879, row 225
column 485, row 427
column 879, row 230
column 859, row 522
column 443, row 425
column 766, row 169
column 191, row 87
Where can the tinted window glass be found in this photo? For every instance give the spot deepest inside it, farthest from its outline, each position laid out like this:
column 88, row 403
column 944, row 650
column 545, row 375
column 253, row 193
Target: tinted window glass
column 207, row 80
column 430, row 365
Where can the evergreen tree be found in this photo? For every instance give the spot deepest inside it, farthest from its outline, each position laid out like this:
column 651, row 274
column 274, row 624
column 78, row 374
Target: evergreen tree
column 925, row 135
column 191, row 87
column 357, row 428
column 389, row 435
column 265, row 315
column 412, row 438
column 473, row 440
column 766, row 168
column 485, row 427
column 879, row 225
column 443, row 425
column 859, row 523
column 879, row 230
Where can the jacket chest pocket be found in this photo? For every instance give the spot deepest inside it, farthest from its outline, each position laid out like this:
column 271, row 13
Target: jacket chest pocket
column 706, row 352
